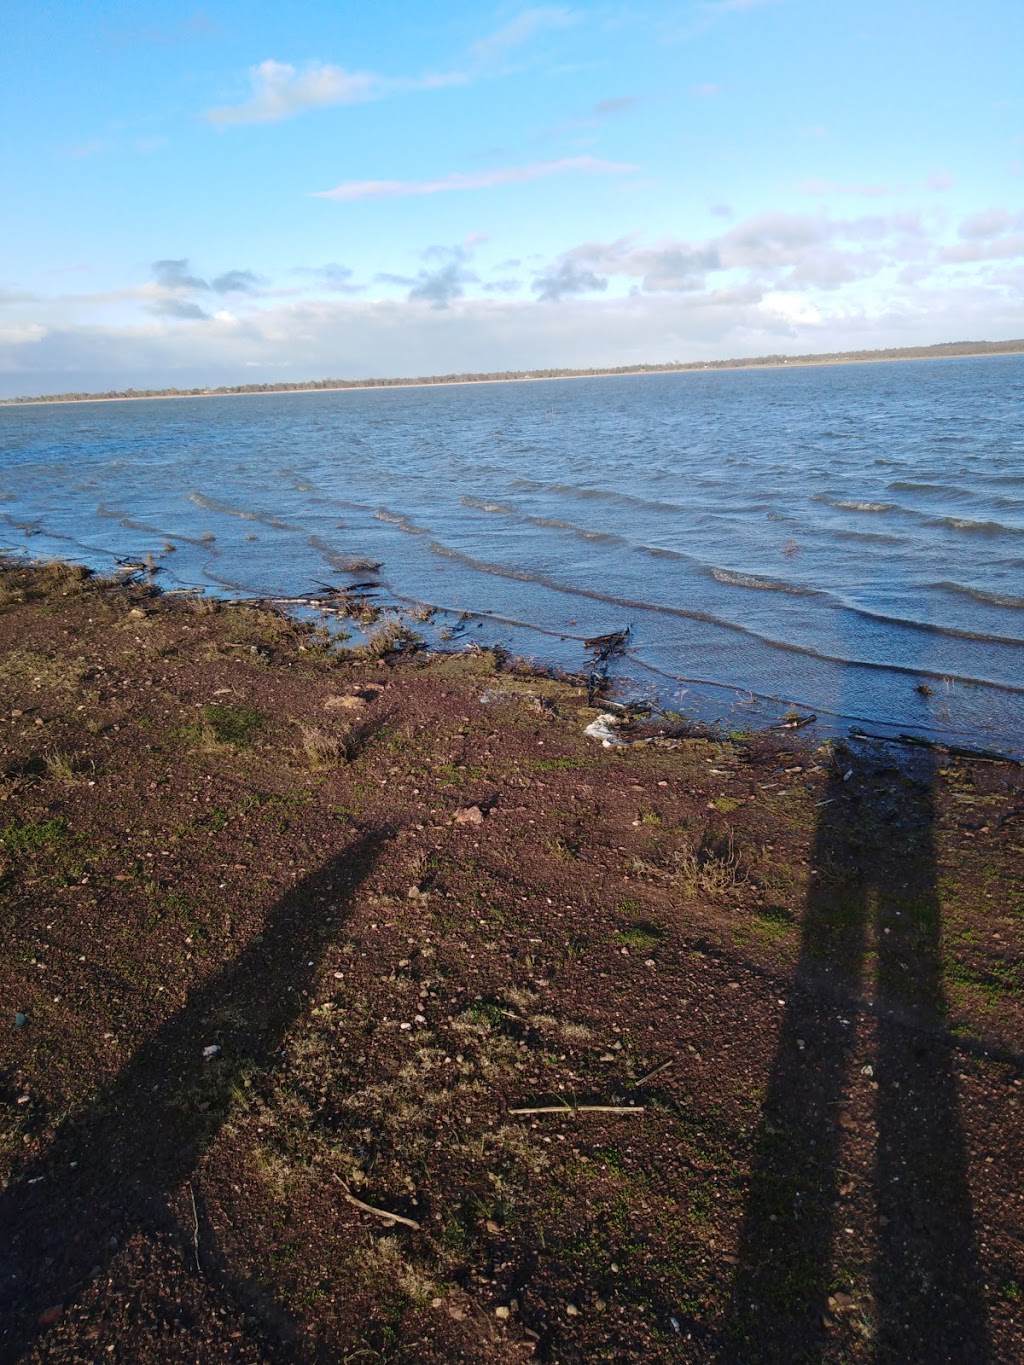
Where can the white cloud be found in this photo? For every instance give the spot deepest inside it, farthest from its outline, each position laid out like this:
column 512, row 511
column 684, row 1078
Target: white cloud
column 443, row 283
column 17, row 334
column 773, row 239
column 472, row 180
column 939, row 181
column 778, row 251
column 1003, row 248
column 790, row 308
column 497, row 46
column 989, row 223
column 567, row 279
column 333, row 276
column 619, row 104
column 280, row 90
column 172, row 289
column 664, row 267
column 703, row 16
column 824, row 187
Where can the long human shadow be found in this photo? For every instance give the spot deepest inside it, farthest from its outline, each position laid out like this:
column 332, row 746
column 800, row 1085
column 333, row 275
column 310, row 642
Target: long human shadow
column 871, row 926
column 111, row 1171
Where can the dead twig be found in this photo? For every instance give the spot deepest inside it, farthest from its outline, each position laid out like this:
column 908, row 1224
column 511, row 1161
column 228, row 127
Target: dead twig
column 656, row 1072
column 582, row 1109
column 195, row 1226
column 386, row 1214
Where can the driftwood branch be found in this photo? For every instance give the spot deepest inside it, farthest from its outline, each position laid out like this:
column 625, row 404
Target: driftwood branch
column 386, row 1214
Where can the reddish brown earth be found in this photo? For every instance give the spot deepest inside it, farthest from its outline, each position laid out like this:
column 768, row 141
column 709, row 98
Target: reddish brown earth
column 792, row 975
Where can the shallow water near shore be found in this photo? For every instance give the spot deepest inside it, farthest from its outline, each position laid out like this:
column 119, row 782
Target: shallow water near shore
column 849, row 539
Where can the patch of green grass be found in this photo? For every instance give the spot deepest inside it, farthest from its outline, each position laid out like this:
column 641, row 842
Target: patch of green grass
column 29, row 838
column 220, row 723
column 773, row 921
column 486, row 1012
column 996, row 982
column 62, row 856
column 643, row 935
column 555, row 765
column 32, row 668
column 454, row 775
column 725, row 804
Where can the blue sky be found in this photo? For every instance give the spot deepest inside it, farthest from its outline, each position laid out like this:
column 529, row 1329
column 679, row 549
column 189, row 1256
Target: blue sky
column 244, row 192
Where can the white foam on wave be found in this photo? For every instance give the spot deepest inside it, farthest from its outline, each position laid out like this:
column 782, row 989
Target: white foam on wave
column 734, row 578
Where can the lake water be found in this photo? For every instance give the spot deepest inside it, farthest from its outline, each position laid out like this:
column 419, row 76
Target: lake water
column 846, row 538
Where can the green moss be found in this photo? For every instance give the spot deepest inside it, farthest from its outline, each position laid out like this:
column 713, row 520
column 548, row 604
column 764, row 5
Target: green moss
column 773, row 921
column 27, row 838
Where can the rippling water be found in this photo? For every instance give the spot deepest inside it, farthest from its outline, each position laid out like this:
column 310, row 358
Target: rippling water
column 849, row 538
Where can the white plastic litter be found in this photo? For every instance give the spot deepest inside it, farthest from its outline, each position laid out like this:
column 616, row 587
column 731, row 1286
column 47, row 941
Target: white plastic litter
column 604, row 729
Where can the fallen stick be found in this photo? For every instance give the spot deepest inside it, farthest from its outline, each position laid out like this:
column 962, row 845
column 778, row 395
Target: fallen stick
column 583, row 1109
column 651, row 1074
column 195, row 1226
column 377, row 1213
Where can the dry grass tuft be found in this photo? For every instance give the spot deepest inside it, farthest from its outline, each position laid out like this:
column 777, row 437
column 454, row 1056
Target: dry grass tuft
column 713, row 870
column 521, row 1000
column 65, row 580
column 10, row 592
column 384, row 1259
column 200, row 605
column 61, row 767
column 322, row 750
column 389, row 637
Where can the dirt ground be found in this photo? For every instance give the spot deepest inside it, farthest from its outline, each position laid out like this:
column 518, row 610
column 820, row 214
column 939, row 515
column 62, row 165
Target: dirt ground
column 360, row 1006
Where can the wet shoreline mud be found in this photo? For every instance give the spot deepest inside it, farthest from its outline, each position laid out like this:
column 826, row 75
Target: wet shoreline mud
column 358, row 1003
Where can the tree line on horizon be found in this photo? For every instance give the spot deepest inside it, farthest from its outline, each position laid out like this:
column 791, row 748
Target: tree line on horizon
column 945, row 348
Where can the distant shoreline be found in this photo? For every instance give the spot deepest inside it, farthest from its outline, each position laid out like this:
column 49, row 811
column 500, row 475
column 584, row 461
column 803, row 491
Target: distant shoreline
column 941, row 351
